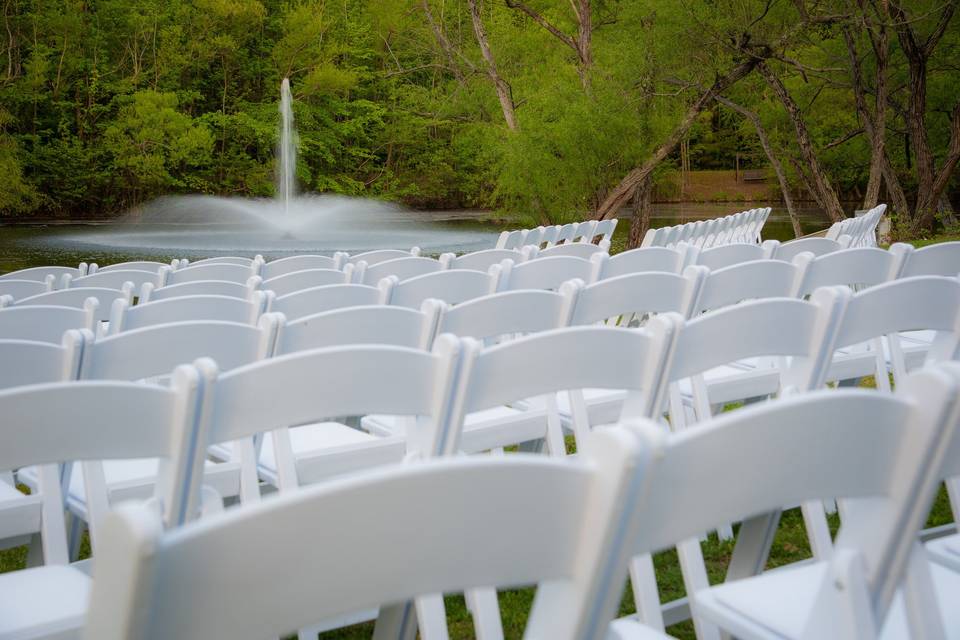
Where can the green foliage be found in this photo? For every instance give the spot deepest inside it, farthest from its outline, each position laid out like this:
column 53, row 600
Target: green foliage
column 111, row 103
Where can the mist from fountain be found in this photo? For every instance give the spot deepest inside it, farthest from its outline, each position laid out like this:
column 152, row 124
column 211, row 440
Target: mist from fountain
column 287, row 223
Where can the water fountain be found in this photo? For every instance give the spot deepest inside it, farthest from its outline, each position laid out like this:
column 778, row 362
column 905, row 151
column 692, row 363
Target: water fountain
column 197, row 225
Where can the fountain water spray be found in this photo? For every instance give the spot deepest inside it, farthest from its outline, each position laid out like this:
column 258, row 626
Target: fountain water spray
column 287, row 153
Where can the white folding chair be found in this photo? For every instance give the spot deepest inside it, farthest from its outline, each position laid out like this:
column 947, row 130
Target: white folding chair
column 604, row 229
column 480, row 260
column 941, row 259
column 453, row 287
column 283, row 266
column 18, row 289
column 40, row 274
column 48, row 424
column 642, row 259
column 731, row 254
column 494, row 318
column 880, row 453
column 46, row 323
column 245, row 291
column 308, row 278
column 543, row 364
column 327, row 298
column 402, row 268
column 381, row 255
column 511, row 240
column 111, row 279
column 751, row 280
column 124, row 317
column 817, row 246
column 209, row 271
column 622, row 301
column 566, row 233
column 544, row 273
column 527, row 521
column 316, row 452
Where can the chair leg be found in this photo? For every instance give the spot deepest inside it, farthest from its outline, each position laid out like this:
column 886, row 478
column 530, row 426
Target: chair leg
column 646, row 595
column 432, row 617
column 485, row 609
column 397, row 622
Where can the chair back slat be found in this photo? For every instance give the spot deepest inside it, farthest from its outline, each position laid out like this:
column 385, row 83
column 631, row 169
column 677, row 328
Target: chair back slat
column 451, row 286
column 326, row 298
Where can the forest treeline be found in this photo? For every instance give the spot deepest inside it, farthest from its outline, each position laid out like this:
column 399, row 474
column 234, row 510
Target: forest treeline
column 551, row 109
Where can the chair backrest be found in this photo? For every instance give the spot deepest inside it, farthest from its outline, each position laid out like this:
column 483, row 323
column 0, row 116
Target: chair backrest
column 375, row 324
column 40, row 273
column 604, row 229
column 578, row 250
column 124, row 317
column 77, row 297
column 642, row 259
column 453, row 287
column 509, row 313
column 154, row 351
column 30, row 362
column 283, row 266
column 326, row 298
column 549, row 236
column 234, row 260
column 298, row 280
column 356, row 379
column 533, row 237
column 511, row 239
column 63, row 422
column 568, row 359
column 584, row 231
column 150, row 293
column 817, row 246
column 909, row 304
column 748, row 280
column 729, row 254
column 935, row 260
column 566, row 233
column 139, row 265
column 113, row 279
column 480, row 260
column 402, row 268
column 803, row 330
column 860, row 266
column 568, row 540
column 209, row 271
column 381, row 255
column 18, row 289
column 813, row 447
column 639, row 294
column 46, row 323
column 544, row 273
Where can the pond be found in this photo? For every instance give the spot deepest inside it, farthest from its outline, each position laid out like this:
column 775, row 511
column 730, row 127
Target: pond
column 27, row 245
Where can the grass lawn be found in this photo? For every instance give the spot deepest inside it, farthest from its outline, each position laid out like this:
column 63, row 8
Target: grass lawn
column 790, row 545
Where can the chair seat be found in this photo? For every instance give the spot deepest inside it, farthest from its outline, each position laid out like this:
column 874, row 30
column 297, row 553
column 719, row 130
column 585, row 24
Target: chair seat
column 629, row 629
column 946, row 551
column 327, row 449
column 43, row 602
column 780, row 602
column 19, row 513
column 134, row 479
column 482, row 430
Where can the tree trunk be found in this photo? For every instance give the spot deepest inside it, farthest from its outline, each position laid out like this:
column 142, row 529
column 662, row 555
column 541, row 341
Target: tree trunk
column 818, row 178
column 640, row 222
column 930, row 183
column 619, row 195
column 504, row 93
column 772, row 157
